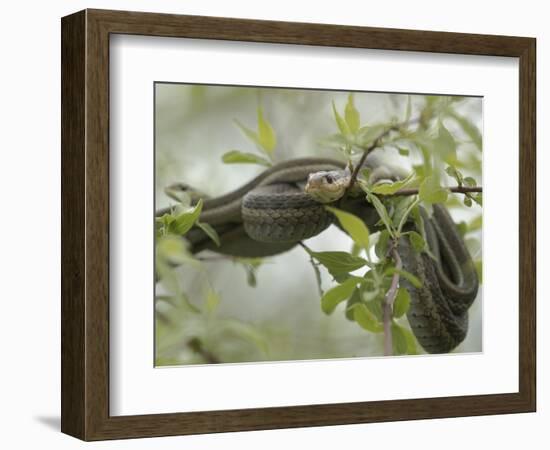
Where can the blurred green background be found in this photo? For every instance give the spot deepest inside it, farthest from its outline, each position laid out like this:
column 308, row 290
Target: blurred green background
column 214, row 314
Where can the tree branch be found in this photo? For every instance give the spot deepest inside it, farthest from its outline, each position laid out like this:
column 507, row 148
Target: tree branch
column 374, row 145
column 366, row 151
column 455, row 189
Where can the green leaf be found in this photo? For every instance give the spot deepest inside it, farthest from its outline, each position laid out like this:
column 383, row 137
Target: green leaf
column 418, row 220
column 381, row 247
column 454, row 201
column 399, row 340
column 266, row 135
column 382, row 212
column 355, row 249
column 469, row 128
column 469, row 181
column 250, row 266
column 467, row 201
column 402, row 302
column 342, row 125
column 420, row 171
column 336, row 141
column 401, row 209
column 407, row 275
column 338, row 294
column 445, row 144
column 251, row 276
column 476, row 223
column 364, row 176
column 369, row 294
column 411, row 341
column 184, row 221
column 353, row 300
column 210, row 232
column 376, row 307
column 431, row 192
column 479, row 269
column 212, row 301
column 454, row 173
column 373, row 292
column 166, row 219
column 250, row 134
column 403, row 216
column 474, row 246
column 368, row 134
column 462, row 228
column 478, row 198
column 366, row 319
column 353, row 225
column 392, row 188
column 352, row 115
column 238, row 157
column 172, row 249
column 403, row 151
column 338, row 263
column 417, row 241
column 340, row 277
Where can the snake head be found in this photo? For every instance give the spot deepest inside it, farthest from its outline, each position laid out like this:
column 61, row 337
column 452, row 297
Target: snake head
column 327, row 187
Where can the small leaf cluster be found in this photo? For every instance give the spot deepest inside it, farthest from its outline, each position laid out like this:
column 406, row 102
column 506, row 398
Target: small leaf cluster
column 178, row 320
column 461, row 180
column 263, row 137
column 365, row 295
column 395, row 212
column 352, row 137
column 362, row 277
column 182, row 219
column 189, row 334
column 429, row 141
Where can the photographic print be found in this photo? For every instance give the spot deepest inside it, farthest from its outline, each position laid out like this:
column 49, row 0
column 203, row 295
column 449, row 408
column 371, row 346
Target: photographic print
column 297, row 224
column 288, row 222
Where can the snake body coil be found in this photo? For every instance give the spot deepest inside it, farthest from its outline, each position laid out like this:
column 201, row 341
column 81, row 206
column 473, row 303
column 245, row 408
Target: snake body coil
column 272, row 213
column 438, row 313
column 281, row 213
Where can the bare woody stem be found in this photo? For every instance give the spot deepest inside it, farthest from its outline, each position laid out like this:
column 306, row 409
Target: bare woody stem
column 374, row 145
column 455, row 189
column 388, row 302
column 315, row 268
column 366, row 152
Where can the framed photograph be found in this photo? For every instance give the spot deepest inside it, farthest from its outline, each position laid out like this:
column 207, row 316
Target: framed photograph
column 272, row 225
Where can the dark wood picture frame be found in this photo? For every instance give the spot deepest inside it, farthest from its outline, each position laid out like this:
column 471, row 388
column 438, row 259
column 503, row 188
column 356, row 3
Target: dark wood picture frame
column 85, row 224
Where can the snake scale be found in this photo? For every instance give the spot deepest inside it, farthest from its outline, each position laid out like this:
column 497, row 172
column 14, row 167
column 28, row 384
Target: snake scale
column 272, row 213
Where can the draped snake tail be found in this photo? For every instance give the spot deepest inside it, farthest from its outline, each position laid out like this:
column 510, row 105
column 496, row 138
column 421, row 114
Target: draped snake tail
column 438, row 313
column 271, row 214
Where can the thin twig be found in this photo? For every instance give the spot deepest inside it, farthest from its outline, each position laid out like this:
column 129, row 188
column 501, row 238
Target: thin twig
column 366, row 152
column 455, row 189
column 388, row 302
column 315, row 268
column 374, row 145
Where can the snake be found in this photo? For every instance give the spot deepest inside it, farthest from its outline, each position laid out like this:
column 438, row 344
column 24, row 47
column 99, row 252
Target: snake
column 285, row 204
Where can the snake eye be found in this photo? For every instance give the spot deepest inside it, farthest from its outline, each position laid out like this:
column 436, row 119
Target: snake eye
column 329, row 179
